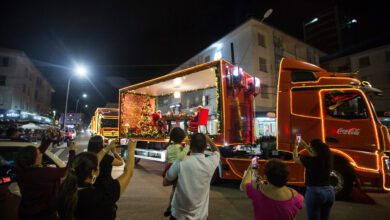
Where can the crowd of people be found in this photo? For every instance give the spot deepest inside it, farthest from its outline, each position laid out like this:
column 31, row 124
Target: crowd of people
column 85, row 188
column 57, row 136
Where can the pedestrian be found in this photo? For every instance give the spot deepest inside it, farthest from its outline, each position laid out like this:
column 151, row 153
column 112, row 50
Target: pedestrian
column 80, row 199
column 319, row 196
column 95, row 145
column 38, row 185
column 175, row 150
column 191, row 197
column 272, row 199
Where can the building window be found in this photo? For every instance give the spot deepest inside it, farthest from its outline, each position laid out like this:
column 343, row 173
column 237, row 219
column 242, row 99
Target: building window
column 2, row 80
column 364, row 62
column 262, row 64
column 36, row 94
column 4, row 61
column 260, row 40
column 207, row 59
column 387, row 56
column 24, row 88
column 264, row 91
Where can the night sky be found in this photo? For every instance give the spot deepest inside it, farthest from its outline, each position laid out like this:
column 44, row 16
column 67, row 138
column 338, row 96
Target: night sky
column 125, row 42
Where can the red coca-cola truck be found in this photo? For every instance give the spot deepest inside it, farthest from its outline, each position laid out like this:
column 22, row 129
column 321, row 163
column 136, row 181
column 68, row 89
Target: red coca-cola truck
column 312, row 102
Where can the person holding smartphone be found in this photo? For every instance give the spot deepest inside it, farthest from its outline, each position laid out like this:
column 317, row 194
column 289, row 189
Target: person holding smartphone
column 95, row 145
column 81, row 199
column 320, row 196
column 271, row 198
column 39, row 185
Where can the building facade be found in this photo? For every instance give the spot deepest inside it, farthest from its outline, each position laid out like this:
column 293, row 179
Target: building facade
column 330, row 30
column 372, row 65
column 258, row 48
column 22, row 86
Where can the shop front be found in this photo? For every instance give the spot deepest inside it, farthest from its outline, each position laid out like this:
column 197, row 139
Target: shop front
column 265, row 124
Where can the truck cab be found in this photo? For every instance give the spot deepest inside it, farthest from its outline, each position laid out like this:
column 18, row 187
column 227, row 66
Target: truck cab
column 105, row 123
column 335, row 108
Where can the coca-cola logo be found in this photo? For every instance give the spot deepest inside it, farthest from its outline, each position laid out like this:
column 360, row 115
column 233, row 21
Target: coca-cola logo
column 350, row 131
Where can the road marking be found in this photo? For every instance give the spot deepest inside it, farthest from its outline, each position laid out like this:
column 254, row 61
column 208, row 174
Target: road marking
column 59, row 152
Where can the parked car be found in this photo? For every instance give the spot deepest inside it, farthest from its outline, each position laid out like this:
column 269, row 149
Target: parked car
column 9, row 191
column 74, row 134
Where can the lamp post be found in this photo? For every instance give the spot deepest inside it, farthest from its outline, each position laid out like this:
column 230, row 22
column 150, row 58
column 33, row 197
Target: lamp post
column 266, row 15
column 81, row 71
column 78, row 99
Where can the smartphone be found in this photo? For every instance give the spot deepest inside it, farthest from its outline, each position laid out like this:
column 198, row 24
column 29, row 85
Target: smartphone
column 124, row 141
column 298, row 139
column 255, row 165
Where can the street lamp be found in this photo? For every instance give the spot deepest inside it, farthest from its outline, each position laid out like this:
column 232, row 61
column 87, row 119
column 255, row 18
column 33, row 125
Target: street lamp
column 78, row 99
column 86, row 106
column 80, row 71
column 266, row 14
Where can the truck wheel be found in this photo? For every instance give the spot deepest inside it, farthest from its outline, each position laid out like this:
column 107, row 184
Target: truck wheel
column 341, row 179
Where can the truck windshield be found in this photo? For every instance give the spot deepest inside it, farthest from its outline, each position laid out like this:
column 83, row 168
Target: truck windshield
column 109, row 123
column 344, row 105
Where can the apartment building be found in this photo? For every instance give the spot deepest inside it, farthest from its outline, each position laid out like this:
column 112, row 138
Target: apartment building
column 372, row 65
column 22, row 86
column 258, row 49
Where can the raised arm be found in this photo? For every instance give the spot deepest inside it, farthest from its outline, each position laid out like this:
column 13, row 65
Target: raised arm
column 45, row 143
column 213, row 147
column 105, row 150
column 308, row 148
column 118, row 161
column 246, row 179
column 128, row 171
column 295, row 153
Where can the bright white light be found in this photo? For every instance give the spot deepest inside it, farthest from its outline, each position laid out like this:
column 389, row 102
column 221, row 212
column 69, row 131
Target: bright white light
column 268, row 13
column 217, row 45
column 54, row 112
column 235, row 71
column 217, row 55
column 81, row 70
column 354, row 21
column 177, row 81
column 257, row 82
column 86, row 106
column 312, row 21
column 85, row 95
column 177, row 95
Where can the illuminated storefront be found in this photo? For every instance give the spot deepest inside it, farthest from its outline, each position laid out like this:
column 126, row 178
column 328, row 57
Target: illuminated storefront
column 265, row 124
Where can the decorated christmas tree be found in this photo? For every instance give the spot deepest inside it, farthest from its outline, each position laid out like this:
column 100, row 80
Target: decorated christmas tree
column 145, row 125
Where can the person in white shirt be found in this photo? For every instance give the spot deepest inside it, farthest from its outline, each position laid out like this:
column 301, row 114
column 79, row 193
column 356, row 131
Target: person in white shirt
column 191, row 198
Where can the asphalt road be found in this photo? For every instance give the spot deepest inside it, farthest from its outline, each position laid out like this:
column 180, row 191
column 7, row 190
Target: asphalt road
column 145, row 197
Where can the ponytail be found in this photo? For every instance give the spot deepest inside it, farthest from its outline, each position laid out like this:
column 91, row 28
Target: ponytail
column 68, row 196
column 79, row 170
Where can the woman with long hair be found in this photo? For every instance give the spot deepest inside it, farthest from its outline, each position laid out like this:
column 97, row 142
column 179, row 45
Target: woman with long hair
column 95, row 145
column 38, row 185
column 320, row 196
column 175, row 151
column 80, row 199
